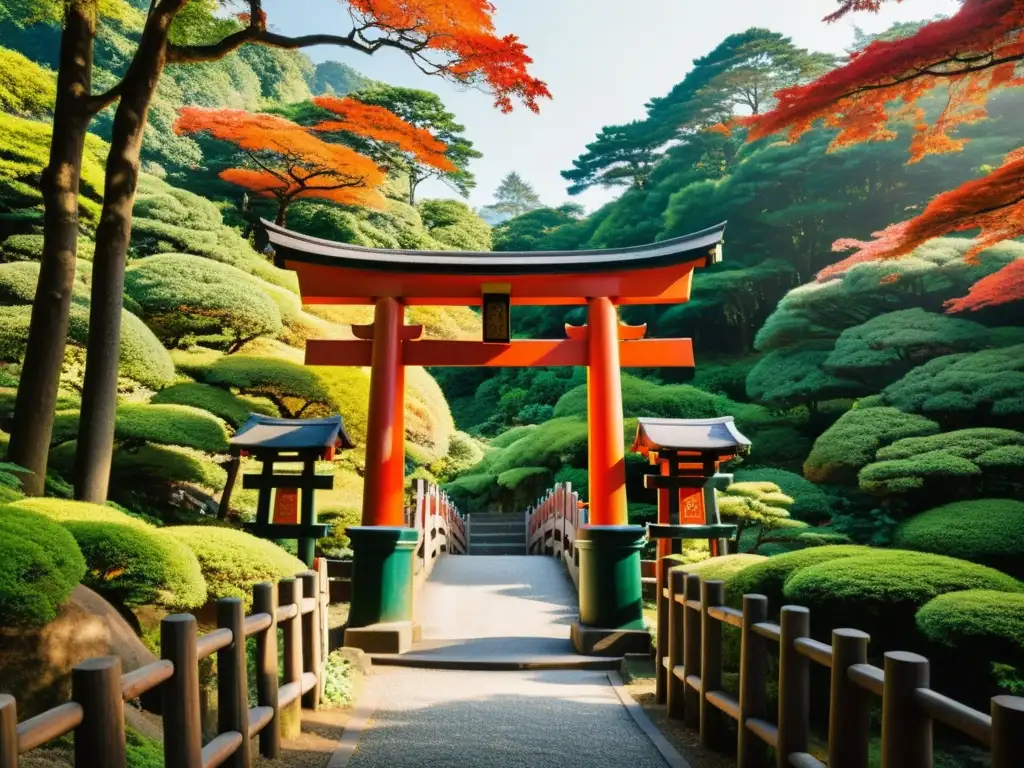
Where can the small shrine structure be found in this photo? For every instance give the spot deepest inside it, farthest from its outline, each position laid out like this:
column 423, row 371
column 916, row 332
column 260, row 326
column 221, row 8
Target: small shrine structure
column 289, row 494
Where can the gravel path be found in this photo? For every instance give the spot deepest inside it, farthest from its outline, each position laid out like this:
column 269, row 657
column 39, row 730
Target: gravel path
column 556, row 719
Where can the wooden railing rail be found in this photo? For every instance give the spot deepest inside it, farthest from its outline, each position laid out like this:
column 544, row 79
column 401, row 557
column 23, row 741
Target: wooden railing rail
column 551, row 526
column 98, row 688
column 691, row 613
column 441, row 527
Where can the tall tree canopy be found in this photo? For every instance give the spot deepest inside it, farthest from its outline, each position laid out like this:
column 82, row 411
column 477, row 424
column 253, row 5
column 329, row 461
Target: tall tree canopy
column 515, row 196
column 455, row 39
column 970, row 55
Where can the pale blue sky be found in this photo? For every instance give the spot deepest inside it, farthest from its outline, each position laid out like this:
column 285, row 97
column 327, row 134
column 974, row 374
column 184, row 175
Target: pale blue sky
column 602, row 60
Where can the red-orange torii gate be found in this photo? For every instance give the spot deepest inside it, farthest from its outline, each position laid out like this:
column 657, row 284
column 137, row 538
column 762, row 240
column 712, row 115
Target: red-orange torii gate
column 337, row 273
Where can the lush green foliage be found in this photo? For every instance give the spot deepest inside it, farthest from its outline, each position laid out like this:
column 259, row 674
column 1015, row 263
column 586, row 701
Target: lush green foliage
column 769, row 577
column 233, row 562
column 163, row 424
column 986, row 531
column 336, row 542
column 25, row 87
column 810, row 503
column 852, row 442
column 128, row 560
column 217, row 401
column 40, row 566
column 724, row 567
column 988, row 622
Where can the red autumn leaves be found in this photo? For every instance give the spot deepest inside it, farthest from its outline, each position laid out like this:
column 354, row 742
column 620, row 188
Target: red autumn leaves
column 971, row 54
column 288, row 161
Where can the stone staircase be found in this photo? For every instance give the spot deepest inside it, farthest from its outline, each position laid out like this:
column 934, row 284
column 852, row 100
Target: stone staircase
column 497, row 534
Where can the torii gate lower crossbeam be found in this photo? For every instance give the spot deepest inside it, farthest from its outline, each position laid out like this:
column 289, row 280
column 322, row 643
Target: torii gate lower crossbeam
column 611, row 619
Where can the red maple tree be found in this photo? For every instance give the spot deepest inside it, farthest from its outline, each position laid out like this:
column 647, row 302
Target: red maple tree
column 970, row 54
column 285, row 161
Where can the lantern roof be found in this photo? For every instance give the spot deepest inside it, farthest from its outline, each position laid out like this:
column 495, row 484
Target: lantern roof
column 275, row 435
column 705, row 436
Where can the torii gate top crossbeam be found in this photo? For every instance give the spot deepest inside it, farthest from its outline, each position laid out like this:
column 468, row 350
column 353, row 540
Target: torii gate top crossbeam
column 337, row 273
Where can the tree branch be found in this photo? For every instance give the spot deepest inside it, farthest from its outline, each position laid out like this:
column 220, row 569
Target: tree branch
column 929, row 72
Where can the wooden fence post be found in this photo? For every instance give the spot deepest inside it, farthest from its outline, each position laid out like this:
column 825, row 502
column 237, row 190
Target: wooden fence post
column 712, row 723
column 906, row 728
column 181, row 693
column 267, row 681
column 794, row 684
column 661, row 675
column 676, row 688
column 691, row 651
column 8, row 731
column 232, row 688
column 325, row 631
column 848, row 725
column 290, row 593
column 1007, row 731
column 100, row 739
column 751, row 752
column 311, row 651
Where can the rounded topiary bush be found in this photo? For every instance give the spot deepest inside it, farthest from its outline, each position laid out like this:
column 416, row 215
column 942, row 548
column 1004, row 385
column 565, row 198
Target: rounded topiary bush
column 810, row 503
column 164, row 424
column 233, row 561
column 992, row 618
column 129, row 561
column 339, row 520
column 769, row 576
column 135, row 566
column 722, row 567
column 986, row 531
column 881, row 592
column 40, row 566
column 217, row 401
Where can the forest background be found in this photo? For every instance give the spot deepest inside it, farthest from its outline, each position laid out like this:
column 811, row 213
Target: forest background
column 877, row 415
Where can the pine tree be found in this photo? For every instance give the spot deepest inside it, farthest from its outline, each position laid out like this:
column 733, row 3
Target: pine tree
column 515, row 196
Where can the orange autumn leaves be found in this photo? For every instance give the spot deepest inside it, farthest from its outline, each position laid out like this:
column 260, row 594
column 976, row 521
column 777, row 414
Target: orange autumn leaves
column 463, row 32
column 971, row 54
column 287, row 161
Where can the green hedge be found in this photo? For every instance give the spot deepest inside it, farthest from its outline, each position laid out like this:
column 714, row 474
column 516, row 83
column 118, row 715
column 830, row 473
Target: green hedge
column 769, row 576
column 162, row 424
column 233, row 561
column 149, row 465
column 217, row 401
column 843, row 449
column 810, row 503
column 986, row 531
column 40, row 566
column 724, row 567
column 129, row 561
column 989, row 623
column 881, row 592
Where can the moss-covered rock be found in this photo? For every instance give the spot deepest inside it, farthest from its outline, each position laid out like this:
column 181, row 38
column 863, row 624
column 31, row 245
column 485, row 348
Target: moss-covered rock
column 986, row 531
column 40, row 566
column 233, row 561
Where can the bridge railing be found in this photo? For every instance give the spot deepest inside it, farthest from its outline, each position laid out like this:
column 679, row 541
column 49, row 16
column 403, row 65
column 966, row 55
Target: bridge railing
column 691, row 613
column 99, row 690
column 551, row 526
column 441, row 527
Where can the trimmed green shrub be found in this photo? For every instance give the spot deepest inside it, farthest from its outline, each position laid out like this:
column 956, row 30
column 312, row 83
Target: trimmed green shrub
column 163, row 424
column 148, row 465
column 233, row 561
column 25, row 87
column 810, row 503
column 18, row 282
column 292, row 387
column 881, row 592
column 769, row 576
column 986, row 531
column 724, row 567
column 990, row 623
column 912, row 464
column 183, row 295
column 761, row 505
column 979, row 388
column 794, row 376
column 217, row 401
column 128, row 560
column 850, row 444
column 41, row 565
column 137, row 566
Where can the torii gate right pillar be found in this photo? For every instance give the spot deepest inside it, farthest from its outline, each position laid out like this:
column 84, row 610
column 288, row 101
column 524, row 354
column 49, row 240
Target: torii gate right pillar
column 610, row 585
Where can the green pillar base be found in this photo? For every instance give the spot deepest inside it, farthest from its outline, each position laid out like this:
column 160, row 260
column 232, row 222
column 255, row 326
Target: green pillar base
column 610, row 587
column 381, row 575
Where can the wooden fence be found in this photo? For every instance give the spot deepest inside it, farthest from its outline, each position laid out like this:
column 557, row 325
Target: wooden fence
column 99, row 689
column 691, row 613
column 551, row 527
column 440, row 525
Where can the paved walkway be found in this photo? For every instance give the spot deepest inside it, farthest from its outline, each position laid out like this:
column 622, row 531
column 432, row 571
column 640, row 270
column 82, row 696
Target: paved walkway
column 504, row 610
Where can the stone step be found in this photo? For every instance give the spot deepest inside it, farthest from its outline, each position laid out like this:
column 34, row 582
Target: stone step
column 495, row 528
column 496, row 549
column 497, row 534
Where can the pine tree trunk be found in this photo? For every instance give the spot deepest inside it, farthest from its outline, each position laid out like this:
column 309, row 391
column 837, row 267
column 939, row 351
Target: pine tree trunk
column 99, row 394
column 48, row 329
